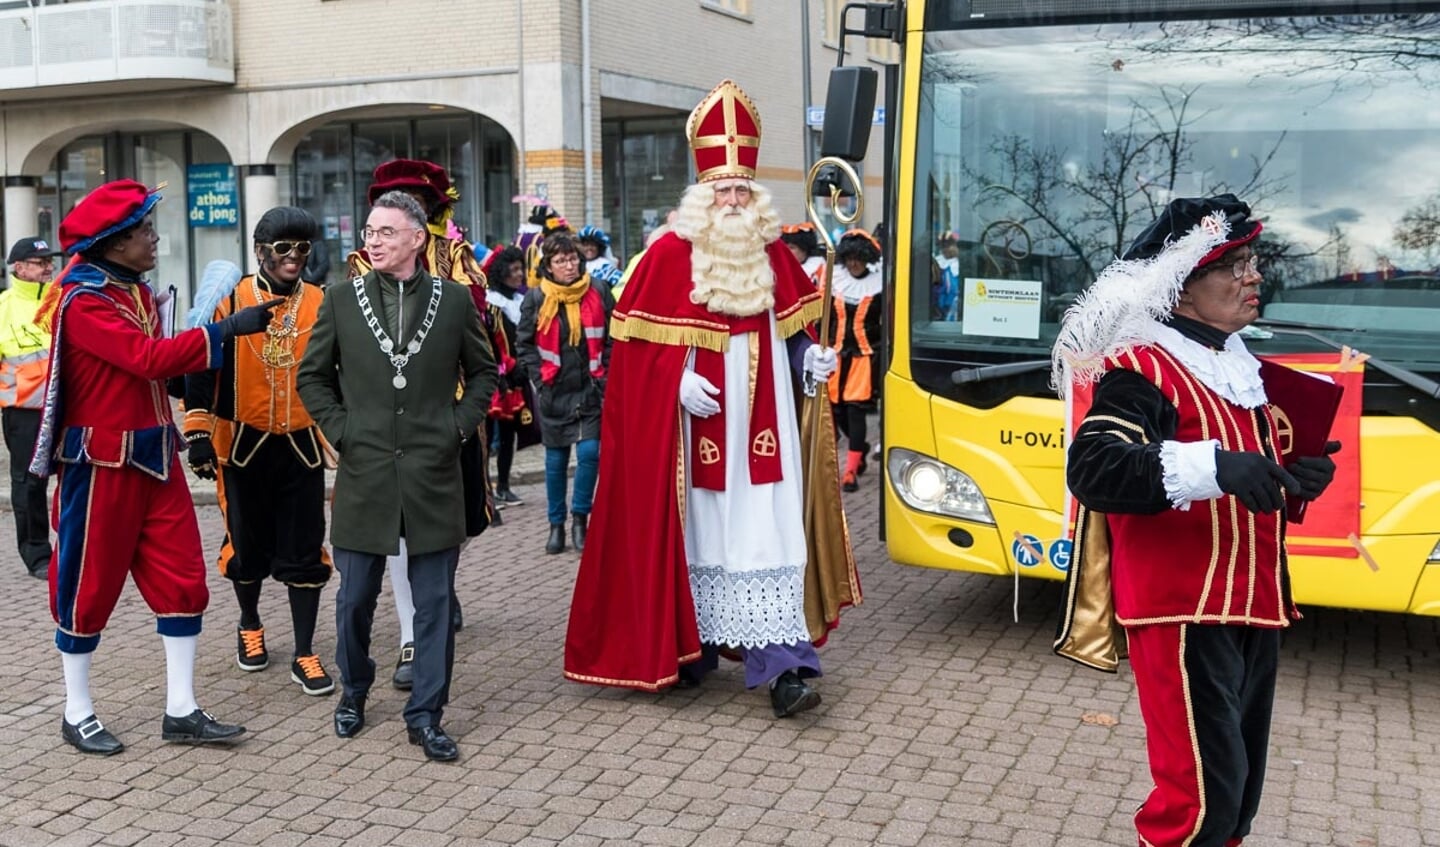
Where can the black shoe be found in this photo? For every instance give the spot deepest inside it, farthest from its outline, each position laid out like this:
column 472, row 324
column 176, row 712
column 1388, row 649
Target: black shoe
column 437, row 745
column 199, row 727
column 41, row 570
column 849, row 484
column 457, row 618
column 508, row 497
column 579, row 525
column 791, row 695
column 311, row 675
column 349, row 716
column 556, row 542
column 90, row 736
column 404, row 678
column 250, row 652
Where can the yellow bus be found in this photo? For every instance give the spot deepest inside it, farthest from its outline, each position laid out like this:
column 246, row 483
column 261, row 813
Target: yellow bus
column 1035, row 139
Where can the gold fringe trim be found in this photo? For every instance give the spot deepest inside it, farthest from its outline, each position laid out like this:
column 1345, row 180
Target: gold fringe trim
column 807, row 313
column 635, row 328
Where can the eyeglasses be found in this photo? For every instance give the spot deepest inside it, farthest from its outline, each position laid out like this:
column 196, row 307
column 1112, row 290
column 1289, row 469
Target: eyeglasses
column 565, row 259
column 1242, row 268
column 384, row 233
column 281, row 249
column 39, row 263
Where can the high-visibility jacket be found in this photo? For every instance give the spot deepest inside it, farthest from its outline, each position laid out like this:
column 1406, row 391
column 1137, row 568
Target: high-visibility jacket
column 24, row 347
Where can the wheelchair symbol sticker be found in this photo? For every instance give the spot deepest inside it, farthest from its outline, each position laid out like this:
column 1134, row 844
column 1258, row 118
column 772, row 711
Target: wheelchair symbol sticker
column 1060, row 552
column 1027, row 550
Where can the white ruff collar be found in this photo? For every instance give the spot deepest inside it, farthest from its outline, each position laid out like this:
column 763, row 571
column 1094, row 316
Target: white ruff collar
column 1233, row 373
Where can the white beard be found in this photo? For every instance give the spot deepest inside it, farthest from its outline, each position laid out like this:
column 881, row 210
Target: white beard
column 730, row 269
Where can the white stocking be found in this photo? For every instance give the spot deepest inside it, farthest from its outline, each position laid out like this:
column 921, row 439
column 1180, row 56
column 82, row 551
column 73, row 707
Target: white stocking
column 180, row 674
column 400, row 584
column 77, row 686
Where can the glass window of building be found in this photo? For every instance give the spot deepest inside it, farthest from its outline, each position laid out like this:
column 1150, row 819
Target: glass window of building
column 647, row 166
column 334, row 165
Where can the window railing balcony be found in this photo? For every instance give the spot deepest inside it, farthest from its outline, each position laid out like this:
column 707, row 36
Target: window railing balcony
column 113, row 46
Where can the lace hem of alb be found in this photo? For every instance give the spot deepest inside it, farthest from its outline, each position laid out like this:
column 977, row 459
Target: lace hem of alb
column 750, row 609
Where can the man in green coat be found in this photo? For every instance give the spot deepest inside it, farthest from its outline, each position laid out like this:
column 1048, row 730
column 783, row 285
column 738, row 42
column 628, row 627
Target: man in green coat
column 379, row 377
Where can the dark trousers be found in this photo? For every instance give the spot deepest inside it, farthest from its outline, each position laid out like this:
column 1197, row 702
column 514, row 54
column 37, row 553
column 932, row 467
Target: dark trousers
column 850, row 420
column 274, row 510
column 27, row 491
column 1206, row 693
column 432, row 583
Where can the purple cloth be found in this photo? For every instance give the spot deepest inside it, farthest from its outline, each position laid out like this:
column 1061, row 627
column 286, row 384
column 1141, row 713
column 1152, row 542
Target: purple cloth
column 796, row 345
column 762, row 664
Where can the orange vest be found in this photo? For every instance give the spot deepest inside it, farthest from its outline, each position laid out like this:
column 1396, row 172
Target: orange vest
column 261, row 391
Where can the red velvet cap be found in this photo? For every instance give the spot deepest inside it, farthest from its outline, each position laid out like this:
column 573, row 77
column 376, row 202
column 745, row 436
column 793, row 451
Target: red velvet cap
column 105, row 211
column 413, row 175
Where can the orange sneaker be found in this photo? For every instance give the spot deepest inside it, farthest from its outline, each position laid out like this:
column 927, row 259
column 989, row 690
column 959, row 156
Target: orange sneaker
column 313, row 680
column 250, row 654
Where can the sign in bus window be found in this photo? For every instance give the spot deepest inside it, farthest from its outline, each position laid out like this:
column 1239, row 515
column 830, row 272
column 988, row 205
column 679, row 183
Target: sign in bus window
column 1003, row 308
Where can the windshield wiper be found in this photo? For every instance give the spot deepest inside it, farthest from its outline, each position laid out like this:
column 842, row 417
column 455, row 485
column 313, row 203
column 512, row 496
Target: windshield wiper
column 1422, row 384
column 988, row 372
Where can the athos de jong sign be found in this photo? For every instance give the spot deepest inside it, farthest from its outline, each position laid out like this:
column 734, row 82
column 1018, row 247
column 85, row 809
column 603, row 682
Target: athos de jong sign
column 213, row 195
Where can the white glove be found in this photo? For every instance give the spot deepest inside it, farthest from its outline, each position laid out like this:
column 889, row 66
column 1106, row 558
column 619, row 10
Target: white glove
column 697, row 394
column 820, row 362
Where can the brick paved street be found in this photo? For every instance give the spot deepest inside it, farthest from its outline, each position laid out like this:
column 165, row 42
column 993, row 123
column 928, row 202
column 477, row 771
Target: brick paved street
column 943, row 723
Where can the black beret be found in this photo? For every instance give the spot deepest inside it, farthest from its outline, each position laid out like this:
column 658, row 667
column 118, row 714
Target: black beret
column 1182, row 216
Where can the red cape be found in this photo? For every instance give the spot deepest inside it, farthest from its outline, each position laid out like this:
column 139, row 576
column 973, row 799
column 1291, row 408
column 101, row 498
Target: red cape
column 632, row 618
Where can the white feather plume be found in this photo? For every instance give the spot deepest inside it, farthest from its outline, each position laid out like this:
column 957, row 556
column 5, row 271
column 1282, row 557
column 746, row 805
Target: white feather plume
column 216, row 283
column 1113, row 313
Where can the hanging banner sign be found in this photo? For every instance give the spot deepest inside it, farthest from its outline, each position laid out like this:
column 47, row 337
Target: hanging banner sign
column 213, row 194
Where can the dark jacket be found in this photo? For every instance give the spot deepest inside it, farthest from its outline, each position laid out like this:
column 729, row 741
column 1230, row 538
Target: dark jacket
column 569, row 408
column 399, row 448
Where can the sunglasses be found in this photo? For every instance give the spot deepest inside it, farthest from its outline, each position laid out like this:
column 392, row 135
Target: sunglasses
column 281, row 249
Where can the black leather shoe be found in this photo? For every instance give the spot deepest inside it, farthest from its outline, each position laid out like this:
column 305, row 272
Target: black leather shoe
column 90, row 736
column 791, row 695
column 349, row 716
column 41, row 570
column 579, row 525
column 404, row 677
column 437, row 745
column 199, row 727
column 556, row 542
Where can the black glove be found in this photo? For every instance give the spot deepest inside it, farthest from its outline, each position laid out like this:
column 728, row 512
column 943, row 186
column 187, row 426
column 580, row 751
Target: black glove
column 249, row 320
column 1254, row 479
column 202, row 456
column 1314, row 473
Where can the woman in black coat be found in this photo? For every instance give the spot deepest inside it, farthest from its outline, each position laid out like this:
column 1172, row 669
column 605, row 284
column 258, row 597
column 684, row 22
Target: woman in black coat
column 563, row 343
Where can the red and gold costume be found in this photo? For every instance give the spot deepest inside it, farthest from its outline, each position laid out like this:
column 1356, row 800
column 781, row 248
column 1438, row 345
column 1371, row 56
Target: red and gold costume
column 666, row 568
column 123, row 507
column 1178, row 564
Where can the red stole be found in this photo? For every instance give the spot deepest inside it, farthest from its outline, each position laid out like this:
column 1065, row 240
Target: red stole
column 592, row 323
column 707, row 435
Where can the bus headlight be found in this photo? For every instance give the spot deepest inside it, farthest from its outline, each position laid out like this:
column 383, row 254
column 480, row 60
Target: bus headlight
column 927, row 485
column 1434, row 557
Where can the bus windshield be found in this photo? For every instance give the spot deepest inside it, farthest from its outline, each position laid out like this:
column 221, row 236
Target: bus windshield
column 1043, row 151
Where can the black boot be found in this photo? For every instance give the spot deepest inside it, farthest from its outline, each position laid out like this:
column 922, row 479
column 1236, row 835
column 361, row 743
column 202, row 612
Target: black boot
column 579, row 525
column 556, row 542
column 790, row 695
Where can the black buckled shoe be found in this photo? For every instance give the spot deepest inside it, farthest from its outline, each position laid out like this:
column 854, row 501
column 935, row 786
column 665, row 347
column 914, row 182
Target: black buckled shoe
column 90, row 736
column 438, row 746
column 556, row 542
column 349, row 716
column 791, row 695
column 579, row 525
column 404, row 678
column 199, row 727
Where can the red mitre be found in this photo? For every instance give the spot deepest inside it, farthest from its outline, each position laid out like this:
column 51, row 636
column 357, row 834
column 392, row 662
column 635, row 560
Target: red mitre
column 724, row 134
column 112, row 207
column 414, row 175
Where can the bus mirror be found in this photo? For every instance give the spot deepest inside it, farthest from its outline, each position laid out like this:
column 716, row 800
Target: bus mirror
column 849, row 105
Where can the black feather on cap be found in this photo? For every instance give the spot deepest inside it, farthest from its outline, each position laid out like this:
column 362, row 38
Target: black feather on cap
column 1182, row 216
